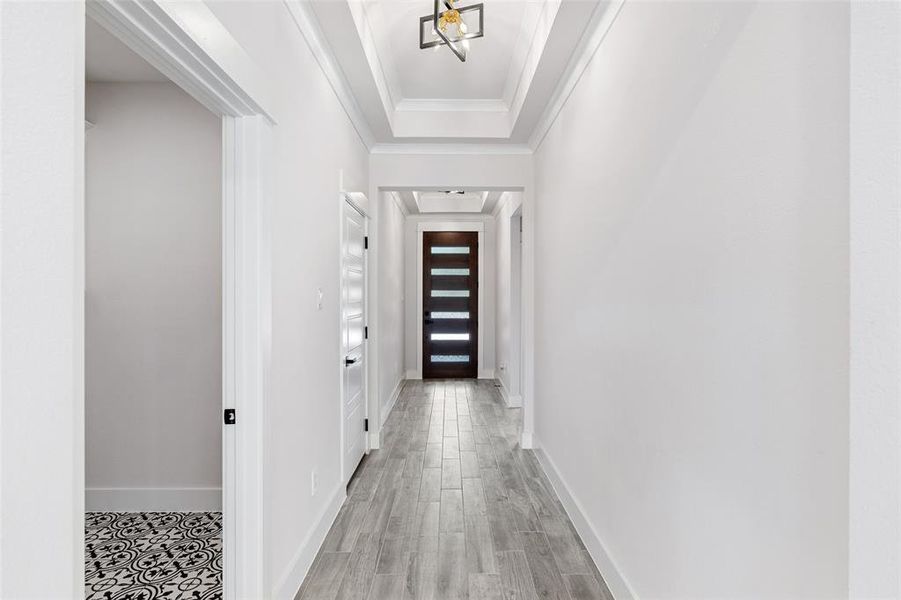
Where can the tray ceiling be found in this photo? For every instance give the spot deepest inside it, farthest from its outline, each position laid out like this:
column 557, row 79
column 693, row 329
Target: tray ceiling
column 411, row 95
column 415, row 75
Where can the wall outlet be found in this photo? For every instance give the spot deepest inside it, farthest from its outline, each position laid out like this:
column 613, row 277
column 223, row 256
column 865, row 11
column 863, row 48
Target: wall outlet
column 319, row 296
column 314, row 483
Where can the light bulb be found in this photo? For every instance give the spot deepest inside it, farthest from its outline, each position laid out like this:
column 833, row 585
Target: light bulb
column 463, row 27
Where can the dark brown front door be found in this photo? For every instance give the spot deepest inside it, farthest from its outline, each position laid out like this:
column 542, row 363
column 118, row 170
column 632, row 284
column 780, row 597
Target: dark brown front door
column 450, row 304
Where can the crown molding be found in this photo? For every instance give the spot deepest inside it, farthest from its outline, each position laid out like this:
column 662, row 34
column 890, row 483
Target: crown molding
column 305, row 19
column 451, row 105
column 441, row 148
column 529, row 64
column 521, row 49
column 386, row 86
column 601, row 20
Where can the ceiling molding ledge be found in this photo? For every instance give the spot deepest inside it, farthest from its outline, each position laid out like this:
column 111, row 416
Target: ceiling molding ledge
column 387, row 91
column 602, row 19
column 308, row 25
column 532, row 58
column 402, row 148
column 449, row 105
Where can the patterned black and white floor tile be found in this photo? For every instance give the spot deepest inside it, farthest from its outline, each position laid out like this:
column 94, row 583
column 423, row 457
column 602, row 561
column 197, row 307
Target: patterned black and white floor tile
column 153, row 555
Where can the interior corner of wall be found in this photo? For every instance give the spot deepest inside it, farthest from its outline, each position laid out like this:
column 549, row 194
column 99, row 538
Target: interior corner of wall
column 527, row 440
column 619, row 586
column 288, row 584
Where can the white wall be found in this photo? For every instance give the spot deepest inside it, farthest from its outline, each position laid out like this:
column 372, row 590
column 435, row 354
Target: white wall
column 315, row 152
column 691, row 305
column 392, row 304
column 508, row 285
column 487, row 277
column 875, row 429
column 153, row 300
column 41, row 300
column 421, row 169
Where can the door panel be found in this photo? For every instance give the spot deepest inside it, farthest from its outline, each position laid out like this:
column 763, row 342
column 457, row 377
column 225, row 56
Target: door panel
column 450, row 304
column 353, row 343
column 448, row 284
column 448, row 326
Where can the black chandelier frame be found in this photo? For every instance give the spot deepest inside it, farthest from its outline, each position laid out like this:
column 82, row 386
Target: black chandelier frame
column 455, row 45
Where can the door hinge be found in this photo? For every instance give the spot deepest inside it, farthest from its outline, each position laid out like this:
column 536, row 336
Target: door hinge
column 229, row 416
column 365, row 424
column 366, row 243
column 366, row 333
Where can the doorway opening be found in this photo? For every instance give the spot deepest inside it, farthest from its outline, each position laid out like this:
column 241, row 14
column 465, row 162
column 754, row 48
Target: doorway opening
column 174, row 39
column 153, row 331
column 450, row 283
column 510, row 354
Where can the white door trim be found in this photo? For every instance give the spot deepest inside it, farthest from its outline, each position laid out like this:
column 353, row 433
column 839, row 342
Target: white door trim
column 189, row 45
column 176, row 38
column 527, row 325
column 478, row 226
column 358, row 202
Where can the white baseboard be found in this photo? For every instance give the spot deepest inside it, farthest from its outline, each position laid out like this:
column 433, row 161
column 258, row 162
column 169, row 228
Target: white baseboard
column 291, row 580
column 152, row 499
column 525, row 440
column 511, row 400
column 374, row 437
column 395, row 394
column 483, row 374
column 617, row 583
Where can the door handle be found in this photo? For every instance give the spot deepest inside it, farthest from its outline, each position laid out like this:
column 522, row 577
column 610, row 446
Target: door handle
column 350, row 361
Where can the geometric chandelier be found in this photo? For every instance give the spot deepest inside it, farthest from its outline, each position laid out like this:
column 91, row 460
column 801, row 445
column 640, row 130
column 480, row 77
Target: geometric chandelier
column 452, row 27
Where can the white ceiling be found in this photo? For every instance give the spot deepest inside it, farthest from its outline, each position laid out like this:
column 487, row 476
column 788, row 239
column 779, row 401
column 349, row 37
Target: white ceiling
column 449, row 201
column 109, row 60
column 415, row 74
column 411, row 95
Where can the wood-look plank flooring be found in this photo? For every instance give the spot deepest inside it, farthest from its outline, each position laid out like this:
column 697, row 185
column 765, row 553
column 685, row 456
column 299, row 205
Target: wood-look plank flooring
column 452, row 508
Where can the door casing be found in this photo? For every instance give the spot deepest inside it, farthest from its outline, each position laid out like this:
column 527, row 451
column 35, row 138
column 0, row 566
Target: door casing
column 478, row 226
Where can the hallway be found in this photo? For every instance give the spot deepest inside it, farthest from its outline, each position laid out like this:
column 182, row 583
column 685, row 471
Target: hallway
column 614, row 287
column 451, row 507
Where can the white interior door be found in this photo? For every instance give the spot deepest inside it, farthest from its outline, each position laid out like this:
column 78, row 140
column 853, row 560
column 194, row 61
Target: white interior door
column 353, row 338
